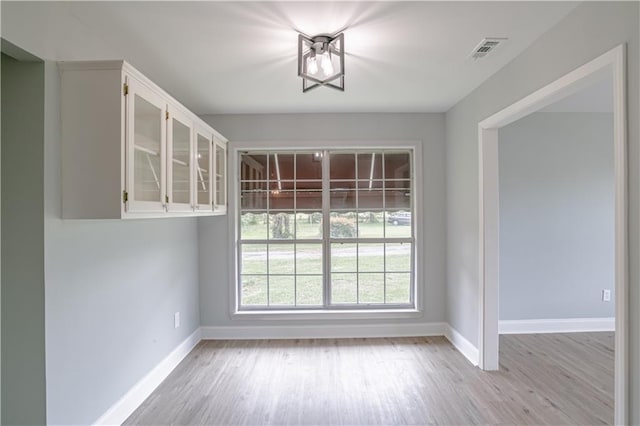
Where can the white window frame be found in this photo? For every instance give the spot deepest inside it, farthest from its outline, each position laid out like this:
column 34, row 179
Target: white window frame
column 235, row 148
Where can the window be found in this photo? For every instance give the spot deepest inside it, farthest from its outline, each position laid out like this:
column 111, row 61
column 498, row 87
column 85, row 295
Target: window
column 325, row 230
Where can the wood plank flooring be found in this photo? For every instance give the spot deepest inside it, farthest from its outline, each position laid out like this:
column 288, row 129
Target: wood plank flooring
column 543, row 379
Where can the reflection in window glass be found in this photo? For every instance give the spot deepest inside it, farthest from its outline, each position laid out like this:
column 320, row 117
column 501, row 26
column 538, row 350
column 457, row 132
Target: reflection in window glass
column 370, row 198
column 309, row 225
column 254, row 226
column 364, row 185
column 397, row 165
column 281, row 167
column 342, row 166
column 398, row 184
column 308, row 195
column 370, row 166
column 344, row 225
column 282, row 226
column 398, row 224
column 253, row 196
column 281, row 198
column 309, row 166
column 371, row 224
column 342, row 195
column 397, row 199
column 253, row 167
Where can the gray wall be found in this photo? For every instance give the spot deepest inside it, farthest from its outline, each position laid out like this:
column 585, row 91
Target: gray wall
column 23, row 285
column 590, row 30
column 429, row 128
column 0, row 249
column 556, row 216
column 112, row 288
column 0, row 241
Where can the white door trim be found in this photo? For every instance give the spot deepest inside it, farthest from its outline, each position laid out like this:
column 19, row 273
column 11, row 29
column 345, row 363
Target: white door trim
column 613, row 61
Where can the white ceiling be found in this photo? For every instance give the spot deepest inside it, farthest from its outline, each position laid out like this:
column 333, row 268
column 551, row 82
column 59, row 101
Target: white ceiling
column 240, row 57
column 597, row 97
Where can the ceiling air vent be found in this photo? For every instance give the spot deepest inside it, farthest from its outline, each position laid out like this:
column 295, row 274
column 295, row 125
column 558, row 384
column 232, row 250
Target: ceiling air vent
column 487, row 46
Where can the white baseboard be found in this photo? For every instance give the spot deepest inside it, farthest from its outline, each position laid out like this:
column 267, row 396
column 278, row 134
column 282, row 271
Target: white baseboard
column 322, row 331
column 564, row 325
column 126, row 405
column 464, row 346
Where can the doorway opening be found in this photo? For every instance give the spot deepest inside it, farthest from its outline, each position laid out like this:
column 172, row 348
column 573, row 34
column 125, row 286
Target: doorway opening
column 609, row 65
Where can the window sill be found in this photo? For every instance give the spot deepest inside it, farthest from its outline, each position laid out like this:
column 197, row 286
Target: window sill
column 327, row 315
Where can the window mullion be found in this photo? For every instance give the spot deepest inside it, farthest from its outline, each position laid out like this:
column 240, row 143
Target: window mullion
column 357, row 232
column 384, row 224
column 238, row 234
column 326, row 231
column 268, row 182
column 412, row 207
column 295, row 230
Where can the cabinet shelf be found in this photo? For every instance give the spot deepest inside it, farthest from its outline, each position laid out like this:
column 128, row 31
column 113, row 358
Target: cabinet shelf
column 146, row 150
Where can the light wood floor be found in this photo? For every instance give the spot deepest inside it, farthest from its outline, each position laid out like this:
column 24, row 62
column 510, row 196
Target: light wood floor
column 543, row 379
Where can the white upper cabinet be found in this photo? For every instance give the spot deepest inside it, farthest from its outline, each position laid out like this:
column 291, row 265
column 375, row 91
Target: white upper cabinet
column 146, row 149
column 180, row 151
column 203, row 174
column 220, row 194
column 130, row 150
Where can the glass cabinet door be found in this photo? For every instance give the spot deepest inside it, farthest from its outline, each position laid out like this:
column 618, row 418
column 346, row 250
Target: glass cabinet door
column 179, row 154
column 145, row 138
column 203, row 171
column 221, row 177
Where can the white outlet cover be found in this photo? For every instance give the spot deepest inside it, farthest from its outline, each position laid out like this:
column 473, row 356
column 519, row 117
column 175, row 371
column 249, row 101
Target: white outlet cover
column 606, row 295
column 176, row 320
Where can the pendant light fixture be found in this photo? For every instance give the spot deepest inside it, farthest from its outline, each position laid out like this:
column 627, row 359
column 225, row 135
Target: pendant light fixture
column 321, row 61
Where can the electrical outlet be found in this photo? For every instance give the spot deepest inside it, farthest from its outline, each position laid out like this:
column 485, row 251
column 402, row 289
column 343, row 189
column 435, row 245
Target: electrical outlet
column 176, row 320
column 606, row 295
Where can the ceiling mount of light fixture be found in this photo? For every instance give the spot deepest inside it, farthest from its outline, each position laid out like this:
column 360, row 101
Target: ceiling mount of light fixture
column 321, row 61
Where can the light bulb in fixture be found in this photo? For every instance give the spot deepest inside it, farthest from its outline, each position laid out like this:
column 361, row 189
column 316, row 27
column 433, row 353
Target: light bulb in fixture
column 327, row 66
column 321, row 61
column 312, row 65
